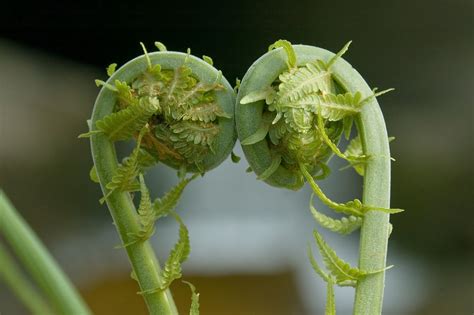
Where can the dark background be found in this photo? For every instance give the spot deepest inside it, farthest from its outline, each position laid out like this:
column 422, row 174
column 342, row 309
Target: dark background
column 424, row 49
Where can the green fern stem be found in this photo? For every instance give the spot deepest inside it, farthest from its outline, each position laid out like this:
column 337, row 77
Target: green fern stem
column 375, row 227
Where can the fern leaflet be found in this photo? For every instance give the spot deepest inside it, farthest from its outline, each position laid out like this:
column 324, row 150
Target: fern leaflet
column 338, row 268
column 146, row 216
column 303, row 81
column 125, row 175
column 179, row 253
column 168, row 202
column 345, row 225
column 194, row 309
column 354, row 149
column 122, row 125
column 205, row 112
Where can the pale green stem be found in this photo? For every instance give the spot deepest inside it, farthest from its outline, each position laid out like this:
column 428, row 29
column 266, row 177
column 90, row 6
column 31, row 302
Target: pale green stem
column 375, row 227
column 39, row 262
column 141, row 255
column 21, row 286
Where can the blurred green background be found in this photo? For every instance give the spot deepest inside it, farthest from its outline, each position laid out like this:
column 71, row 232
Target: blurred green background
column 248, row 239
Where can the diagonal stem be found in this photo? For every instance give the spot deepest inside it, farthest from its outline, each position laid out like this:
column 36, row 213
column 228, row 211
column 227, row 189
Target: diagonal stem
column 37, row 260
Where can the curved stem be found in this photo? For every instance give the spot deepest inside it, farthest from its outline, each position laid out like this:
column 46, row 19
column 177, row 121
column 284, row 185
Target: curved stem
column 21, row 286
column 375, row 227
column 121, row 207
column 37, row 260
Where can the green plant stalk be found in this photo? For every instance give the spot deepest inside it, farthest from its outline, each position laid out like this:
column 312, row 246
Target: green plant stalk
column 21, row 286
column 38, row 261
column 141, row 255
column 375, row 227
column 120, row 204
column 374, row 232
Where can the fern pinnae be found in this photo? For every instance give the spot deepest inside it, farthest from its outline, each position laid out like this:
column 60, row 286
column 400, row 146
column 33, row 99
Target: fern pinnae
column 123, row 124
column 340, row 269
column 316, row 266
column 124, row 179
column 345, row 225
column 168, row 202
column 146, row 216
column 194, row 309
column 179, row 253
column 339, row 54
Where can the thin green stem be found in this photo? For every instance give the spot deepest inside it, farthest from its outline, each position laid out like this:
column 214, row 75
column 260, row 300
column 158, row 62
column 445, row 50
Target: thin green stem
column 375, row 227
column 21, row 286
column 120, row 204
column 141, row 255
column 39, row 262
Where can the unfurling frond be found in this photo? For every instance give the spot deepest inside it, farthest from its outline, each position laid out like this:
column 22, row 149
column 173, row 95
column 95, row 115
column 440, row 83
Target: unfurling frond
column 304, row 81
column 123, row 124
column 338, row 268
column 345, row 225
column 168, row 202
column 194, row 309
column 179, row 253
column 195, row 132
column 205, row 112
column 146, row 216
column 125, row 177
column 336, row 107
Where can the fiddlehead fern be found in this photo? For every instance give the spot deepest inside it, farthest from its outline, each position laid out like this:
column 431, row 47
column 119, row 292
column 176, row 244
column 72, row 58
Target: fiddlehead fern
column 293, row 105
column 179, row 110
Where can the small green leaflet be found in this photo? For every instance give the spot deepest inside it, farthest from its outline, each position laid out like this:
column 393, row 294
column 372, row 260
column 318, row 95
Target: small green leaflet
column 168, row 202
column 330, row 301
column 339, row 54
column 122, row 125
column 345, row 225
column 179, row 253
column 125, row 175
column 146, row 216
column 194, row 309
column 354, row 149
column 111, row 69
column 338, row 268
column 302, row 82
